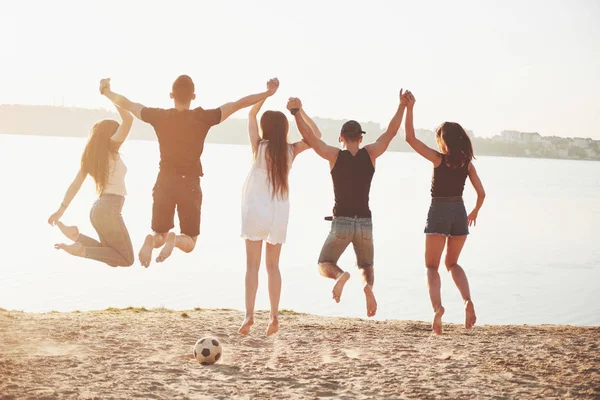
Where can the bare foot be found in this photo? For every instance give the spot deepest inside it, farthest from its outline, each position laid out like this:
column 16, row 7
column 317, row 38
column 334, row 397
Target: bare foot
column 371, row 303
column 167, row 248
column 75, row 249
column 470, row 317
column 145, row 254
column 71, row 232
column 339, row 286
column 273, row 326
column 436, row 325
column 246, row 325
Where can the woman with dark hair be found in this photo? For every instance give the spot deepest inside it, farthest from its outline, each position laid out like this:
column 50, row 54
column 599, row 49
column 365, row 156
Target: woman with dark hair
column 265, row 204
column 102, row 161
column 447, row 221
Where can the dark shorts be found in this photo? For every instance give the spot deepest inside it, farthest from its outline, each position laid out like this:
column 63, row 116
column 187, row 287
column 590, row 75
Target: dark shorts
column 447, row 216
column 181, row 192
column 346, row 230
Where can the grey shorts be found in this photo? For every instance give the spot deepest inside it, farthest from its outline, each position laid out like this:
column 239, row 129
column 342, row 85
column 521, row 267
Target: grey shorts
column 346, row 230
column 447, row 216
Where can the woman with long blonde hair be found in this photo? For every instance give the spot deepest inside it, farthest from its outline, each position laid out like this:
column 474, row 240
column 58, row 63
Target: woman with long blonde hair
column 447, row 221
column 265, row 204
column 101, row 160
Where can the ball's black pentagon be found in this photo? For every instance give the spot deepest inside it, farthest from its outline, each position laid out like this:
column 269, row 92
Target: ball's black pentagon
column 202, row 340
column 215, row 343
column 204, row 363
column 206, row 352
column 217, row 357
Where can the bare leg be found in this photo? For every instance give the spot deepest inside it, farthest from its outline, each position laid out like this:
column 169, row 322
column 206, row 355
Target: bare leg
column 368, row 275
column 434, row 246
column 167, row 248
column 273, row 253
column 455, row 245
column 184, row 243
column 70, row 232
column 75, row 249
column 253, row 254
column 332, row 271
column 153, row 241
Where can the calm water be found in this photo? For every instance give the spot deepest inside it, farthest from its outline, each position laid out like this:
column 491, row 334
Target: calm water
column 533, row 258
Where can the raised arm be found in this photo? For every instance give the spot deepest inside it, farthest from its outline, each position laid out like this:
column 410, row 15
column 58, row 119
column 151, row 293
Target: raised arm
column 229, row 108
column 253, row 125
column 301, row 146
column 123, row 130
column 420, row 147
column 272, row 85
column 476, row 182
column 71, row 193
column 380, row 146
column 121, row 101
column 327, row 152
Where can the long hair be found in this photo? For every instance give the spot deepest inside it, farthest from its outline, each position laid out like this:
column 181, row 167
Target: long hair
column 98, row 149
column 455, row 144
column 275, row 127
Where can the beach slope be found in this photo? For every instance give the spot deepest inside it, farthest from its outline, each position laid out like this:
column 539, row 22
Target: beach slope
column 135, row 353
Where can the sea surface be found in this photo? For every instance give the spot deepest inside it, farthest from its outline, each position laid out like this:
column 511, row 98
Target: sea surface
column 534, row 257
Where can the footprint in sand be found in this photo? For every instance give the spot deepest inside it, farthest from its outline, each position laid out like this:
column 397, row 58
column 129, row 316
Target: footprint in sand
column 327, row 357
column 351, row 353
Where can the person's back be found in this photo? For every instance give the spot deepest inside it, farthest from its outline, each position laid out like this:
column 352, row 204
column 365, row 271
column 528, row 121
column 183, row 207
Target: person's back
column 181, row 135
column 115, row 181
column 260, row 171
column 448, row 181
column 352, row 176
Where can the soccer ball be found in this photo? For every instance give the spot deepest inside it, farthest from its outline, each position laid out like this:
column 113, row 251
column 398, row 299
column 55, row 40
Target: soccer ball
column 208, row 350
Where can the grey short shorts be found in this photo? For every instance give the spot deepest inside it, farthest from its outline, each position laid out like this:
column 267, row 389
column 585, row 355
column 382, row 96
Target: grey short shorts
column 346, row 230
column 447, row 216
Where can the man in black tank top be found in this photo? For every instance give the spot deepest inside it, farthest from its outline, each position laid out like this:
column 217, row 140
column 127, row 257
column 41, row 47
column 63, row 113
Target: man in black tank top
column 352, row 170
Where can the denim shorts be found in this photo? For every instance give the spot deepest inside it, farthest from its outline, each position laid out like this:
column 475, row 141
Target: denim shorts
column 447, row 216
column 346, row 230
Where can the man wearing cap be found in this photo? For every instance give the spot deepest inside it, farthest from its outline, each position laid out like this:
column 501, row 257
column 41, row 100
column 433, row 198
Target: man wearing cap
column 181, row 133
column 352, row 170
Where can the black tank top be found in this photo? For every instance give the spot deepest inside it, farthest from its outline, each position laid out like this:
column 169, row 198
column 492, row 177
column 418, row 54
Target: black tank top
column 352, row 176
column 448, row 181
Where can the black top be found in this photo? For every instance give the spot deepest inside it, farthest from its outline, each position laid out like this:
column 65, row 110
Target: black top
column 352, row 176
column 181, row 136
column 448, row 181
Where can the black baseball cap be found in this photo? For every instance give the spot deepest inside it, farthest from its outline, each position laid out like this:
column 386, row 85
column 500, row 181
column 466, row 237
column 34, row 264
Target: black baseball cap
column 352, row 127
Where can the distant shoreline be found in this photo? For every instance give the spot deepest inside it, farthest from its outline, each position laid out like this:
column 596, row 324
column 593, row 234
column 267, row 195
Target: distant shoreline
column 209, row 141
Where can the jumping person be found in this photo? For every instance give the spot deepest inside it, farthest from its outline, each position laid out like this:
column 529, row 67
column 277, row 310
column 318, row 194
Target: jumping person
column 352, row 170
column 266, row 206
column 181, row 133
column 101, row 160
column 447, row 221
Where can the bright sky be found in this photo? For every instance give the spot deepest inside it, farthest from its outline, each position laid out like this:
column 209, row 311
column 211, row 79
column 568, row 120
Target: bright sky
column 490, row 65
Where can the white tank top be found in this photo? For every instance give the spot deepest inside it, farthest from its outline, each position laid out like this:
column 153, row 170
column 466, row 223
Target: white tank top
column 116, row 177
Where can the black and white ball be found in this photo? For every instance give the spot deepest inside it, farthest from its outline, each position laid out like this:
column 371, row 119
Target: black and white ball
column 208, row 350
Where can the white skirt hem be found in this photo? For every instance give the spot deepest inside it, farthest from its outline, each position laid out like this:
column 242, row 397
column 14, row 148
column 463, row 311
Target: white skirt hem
column 259, row 238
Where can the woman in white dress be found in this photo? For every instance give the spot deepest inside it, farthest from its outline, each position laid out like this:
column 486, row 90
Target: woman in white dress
column 265, row 204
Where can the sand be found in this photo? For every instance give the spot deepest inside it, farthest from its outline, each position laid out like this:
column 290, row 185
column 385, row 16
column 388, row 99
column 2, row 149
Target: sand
column 136, row 353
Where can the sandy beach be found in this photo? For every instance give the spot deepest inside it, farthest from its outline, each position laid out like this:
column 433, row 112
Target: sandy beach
column 135, row 353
